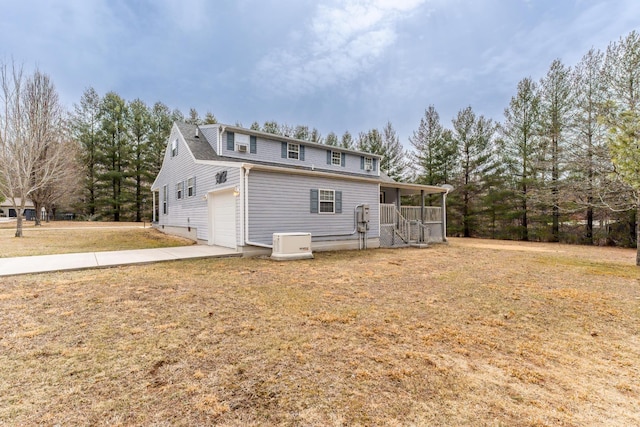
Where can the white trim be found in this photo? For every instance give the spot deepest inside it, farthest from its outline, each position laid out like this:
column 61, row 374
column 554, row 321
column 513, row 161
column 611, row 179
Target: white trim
column 332, row 201
column 295, row 150
column 187, row 195
column 333, row 158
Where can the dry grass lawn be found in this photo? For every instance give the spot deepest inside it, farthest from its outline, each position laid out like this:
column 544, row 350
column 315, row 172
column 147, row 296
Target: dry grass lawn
column 470, row 333
column 60, row 237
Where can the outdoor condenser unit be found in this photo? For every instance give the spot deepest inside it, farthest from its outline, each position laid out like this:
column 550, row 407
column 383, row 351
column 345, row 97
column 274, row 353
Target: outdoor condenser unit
column 289, row 246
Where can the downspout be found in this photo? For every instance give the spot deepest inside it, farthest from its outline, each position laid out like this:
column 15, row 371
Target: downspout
column 244, row 190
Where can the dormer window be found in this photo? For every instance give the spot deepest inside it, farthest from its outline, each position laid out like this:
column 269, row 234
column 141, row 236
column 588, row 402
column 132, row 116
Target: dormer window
column 368, row 164
column 336, row 158
column 293, row 151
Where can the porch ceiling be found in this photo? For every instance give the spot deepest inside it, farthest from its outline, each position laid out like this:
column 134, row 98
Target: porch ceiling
column 411, row 189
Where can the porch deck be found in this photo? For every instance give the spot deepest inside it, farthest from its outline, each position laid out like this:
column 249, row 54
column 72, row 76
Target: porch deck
column 409, row 225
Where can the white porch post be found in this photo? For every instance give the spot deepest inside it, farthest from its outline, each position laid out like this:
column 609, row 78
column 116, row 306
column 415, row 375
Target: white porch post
column 153, row 211
column 444, row 216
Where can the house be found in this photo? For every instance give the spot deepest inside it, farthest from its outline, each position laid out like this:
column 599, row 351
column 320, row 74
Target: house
column 7, row 210
column 234, row 187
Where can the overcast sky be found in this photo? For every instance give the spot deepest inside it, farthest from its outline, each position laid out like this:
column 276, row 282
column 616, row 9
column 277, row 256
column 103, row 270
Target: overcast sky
column 331, row 64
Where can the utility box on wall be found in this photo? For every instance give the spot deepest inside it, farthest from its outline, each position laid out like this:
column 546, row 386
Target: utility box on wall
column 290, row 246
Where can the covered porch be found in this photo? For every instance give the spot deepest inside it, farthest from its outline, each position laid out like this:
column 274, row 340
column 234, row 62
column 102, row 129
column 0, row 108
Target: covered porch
column 419, row 221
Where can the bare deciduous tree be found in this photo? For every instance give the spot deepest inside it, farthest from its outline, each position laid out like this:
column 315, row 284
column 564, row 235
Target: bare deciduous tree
column 31, row 153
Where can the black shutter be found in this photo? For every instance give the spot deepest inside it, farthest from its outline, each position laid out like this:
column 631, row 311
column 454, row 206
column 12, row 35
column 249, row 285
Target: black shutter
column 361, row 162
column 194, row 185
column 302, row 152
column 338, row 201
column 230, row 141
column 343, row 160
column 284, row 150
column 253, row 145
column 375, row 161
column 314, row 201
column 329, row 154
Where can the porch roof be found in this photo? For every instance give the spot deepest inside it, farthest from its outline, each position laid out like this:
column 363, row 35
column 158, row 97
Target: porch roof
column 407, row 189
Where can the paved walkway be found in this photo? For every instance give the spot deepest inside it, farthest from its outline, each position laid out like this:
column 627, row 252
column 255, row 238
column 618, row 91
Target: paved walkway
column 79, row 261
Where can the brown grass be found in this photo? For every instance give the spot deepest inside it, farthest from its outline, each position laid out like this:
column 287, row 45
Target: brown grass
column 62, row 237
column 456, row 334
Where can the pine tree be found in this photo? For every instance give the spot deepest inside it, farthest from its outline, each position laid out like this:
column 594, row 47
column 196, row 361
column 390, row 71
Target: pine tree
column 589, row 160
column 522, row 147
column 622, row 65
column 434, row 151
column 87, row 132
column 473, row 136
column 347, row 140
column 332, row 139
column 393, row 162
column 209, row 119
column 114, row 155
column 555, row 109
column 139, row 126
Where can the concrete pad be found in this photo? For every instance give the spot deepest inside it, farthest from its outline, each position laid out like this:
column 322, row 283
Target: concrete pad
column 40, row 263
column 78, row 261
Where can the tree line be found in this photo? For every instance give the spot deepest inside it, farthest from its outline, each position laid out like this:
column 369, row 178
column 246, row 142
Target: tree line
column 562, row 165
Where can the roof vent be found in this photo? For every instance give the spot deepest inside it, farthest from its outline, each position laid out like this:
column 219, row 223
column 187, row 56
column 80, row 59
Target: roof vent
column 197, row 132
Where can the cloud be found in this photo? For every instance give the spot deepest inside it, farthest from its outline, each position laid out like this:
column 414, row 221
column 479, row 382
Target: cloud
column 344, row 40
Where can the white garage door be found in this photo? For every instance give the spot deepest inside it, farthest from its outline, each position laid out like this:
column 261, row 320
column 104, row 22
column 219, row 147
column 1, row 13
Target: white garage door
column 224, row 219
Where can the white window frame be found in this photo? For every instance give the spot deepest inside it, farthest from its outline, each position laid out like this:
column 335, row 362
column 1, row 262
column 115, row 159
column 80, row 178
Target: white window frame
column 180, row 190
column 368, row 163
column 174, row 148
column 336, row 158
column 293, row 151
column 190, row 192
column 329, row 197
column 165, row 195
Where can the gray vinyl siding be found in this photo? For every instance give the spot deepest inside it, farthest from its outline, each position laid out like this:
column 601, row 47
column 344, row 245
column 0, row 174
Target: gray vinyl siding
column 211, row 133
column 281, row 203
column 191, row 211
column 270, row 150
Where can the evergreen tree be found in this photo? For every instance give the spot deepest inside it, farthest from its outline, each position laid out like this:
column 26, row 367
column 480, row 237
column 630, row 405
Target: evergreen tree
column 271, row 127
column 209, row 119
column 114, row 155
column 139, row 126
column 255, row 126
column 555, row 109
column 347, row 140
column 87, row 132
column 393, row 162
column 473, row 136
column 522, row 147
column 589, row 160
column 434, row 150
column 194, row 117
column 332, row 139
column 622, row 73
column 161, row 121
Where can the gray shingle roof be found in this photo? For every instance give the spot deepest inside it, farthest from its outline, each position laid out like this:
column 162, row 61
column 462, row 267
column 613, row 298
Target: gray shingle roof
column 199, row 146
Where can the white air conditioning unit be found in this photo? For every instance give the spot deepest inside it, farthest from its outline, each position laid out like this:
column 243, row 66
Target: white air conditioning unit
column 289, row 246
column 368, row 167
column 242, row 148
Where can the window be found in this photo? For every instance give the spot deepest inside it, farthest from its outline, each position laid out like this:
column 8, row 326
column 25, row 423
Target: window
column 174, row 148
column 293, row 151
column 327, row 201
column 191, row 187
column 336, row 158
column 180, row 190
column 368, row 164
column 165, row 194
